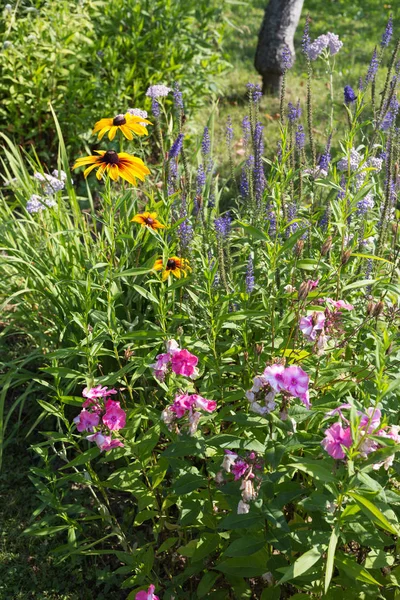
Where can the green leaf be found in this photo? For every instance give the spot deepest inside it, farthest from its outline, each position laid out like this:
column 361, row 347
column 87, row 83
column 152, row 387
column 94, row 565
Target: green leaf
column 235, row 521
column 245, row 546
column 315, row 469
column 302, row 564
column 208, row 543
column 206, row 583
column 83, row 458
column 169, row 542
column 240, row 568
column 330, row 557
column 354, row 570
column 373, row 512
column 254, row 232
column 188, row 483
column 132, row 272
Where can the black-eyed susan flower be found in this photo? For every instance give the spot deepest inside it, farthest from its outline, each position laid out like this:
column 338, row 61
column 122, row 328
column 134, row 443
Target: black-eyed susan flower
column 128, row 124
column 115, row 165
column 147, row 219
column 175, row 266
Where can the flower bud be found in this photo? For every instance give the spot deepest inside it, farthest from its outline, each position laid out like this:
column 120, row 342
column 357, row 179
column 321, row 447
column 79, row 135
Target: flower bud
column 248, row 492
column 243, row 508
column 298, row 249
column 326, row 246
column 370, row 308
column 346, row 256
column 259, row 349
column 378, row 309
column 303, row 290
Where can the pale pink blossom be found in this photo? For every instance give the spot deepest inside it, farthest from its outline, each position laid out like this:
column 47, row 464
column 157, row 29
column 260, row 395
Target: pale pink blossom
column 295, row 381
column 259, row 382
column 258, row 409
column 305, row 398
column 229, row 460
column 274, row 375
column 203, row 403
column 184, row 363
column 97, row 392
column 372, row 419
column 338, row 411
column 311, row 325
column 104, row 442
column 248, row 491
column 114, row 417
column 86, row 421
column 340, row 304
column 194, row 418
column 160, row 367
column 243, row 508
column 313, row 284
column 335, row 438
column 172, row 347
column 149, row 595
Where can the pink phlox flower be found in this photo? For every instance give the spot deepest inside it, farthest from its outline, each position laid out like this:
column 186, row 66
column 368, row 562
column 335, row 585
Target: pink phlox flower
column 322, row 342
column 305, row 398
column 97, row 392
column 229, row 460
column 340, row 304
column 367, row 445
column 160, row 367
column 172, row 347
column 182, row 403
column 93, row 404
column 373, row 418
column 86, row 421
column 115, row 416
column 149, row 595
column 312, row 324
column 338, row 411
column 274, row 375
column 258, row 383
column 184, row 363
column 335, row 438
column 203, row 403
column 313, row 284
column 239, row 468
column 295, row 381
column 194, row 418
column 104, row 442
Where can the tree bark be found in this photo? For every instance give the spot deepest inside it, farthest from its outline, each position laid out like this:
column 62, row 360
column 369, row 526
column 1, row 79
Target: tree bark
column 280, row 21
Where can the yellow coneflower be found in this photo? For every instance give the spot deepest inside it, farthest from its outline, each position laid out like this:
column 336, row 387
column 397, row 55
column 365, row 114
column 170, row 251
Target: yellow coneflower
column 147, row 219
column 115, row 165
column 175, row 266
column 128, row 124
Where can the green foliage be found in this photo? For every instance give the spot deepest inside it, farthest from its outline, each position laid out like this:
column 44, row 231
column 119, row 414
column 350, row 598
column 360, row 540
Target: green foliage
column 90, row 59
column 83, row 305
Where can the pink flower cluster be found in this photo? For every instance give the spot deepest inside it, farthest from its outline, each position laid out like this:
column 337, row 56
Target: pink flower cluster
column 186, row 404
column 338, row 437
column 291, row 381
column 149, row 595
column 244, row 470
column 181, row 362
column 100, row 411
column 319, row 324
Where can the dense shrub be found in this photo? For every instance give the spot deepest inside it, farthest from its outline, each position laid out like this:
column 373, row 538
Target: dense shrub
column 97, row 57
column 220, row 389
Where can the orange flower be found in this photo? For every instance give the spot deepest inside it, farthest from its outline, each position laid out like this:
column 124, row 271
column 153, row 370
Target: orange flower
column 115, row 165
column 175, row 266
column 148, row 219
column 128, row 124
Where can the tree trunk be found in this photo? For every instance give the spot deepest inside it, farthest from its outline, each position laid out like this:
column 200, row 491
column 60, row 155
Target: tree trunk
column 281, row 18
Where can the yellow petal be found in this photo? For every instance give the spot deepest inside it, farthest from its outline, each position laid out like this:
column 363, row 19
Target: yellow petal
column 85, row 160
column 126, row 132
column 102, row 123
column 89, row 170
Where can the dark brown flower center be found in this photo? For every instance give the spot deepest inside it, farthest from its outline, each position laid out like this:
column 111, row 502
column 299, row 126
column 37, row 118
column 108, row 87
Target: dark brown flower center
column 171, row 264
column 110, row 157
column 119, row 120
column 150, row 221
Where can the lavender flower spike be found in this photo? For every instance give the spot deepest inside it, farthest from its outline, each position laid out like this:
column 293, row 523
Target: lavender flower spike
column 176, row 147
column 286, row 58
column 223, row 225
column 349, row 95
column 373, row 67
column 300, row 137
column 387, row 34
column 250, row 276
